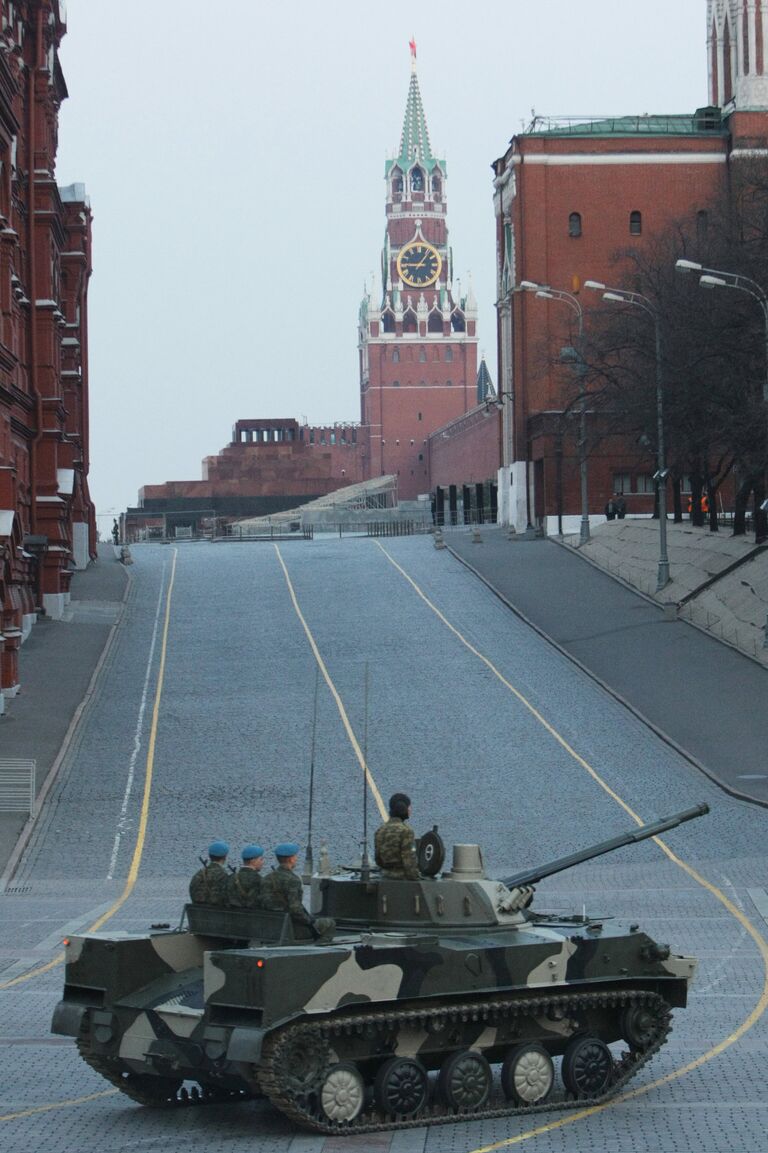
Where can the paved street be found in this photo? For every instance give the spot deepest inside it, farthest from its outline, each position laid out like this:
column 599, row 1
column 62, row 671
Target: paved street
column 499, row 739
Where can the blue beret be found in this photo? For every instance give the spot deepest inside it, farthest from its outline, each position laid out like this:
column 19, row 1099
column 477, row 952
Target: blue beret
column 250, row 852
column 287, row 849
column 218, row 849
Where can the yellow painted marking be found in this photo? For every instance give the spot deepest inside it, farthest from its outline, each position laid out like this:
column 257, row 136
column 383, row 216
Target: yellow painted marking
column 718, row 894
column 133, row 872
column 334, row 692
column 58, row 1105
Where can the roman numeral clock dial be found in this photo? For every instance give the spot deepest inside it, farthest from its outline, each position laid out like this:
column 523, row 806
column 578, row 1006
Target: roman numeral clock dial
column 419, row 264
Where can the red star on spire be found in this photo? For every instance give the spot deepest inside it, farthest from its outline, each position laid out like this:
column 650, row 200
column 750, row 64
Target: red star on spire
column 412, row 46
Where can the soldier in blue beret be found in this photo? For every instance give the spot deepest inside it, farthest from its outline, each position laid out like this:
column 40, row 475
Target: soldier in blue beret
column 281, row 890
column 244, row 886
column 209, row 884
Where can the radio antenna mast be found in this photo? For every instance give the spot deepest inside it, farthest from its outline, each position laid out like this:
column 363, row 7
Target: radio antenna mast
column 365, row 864
column 309, row 865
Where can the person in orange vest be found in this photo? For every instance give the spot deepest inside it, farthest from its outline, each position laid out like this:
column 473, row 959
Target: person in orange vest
column 704, row 504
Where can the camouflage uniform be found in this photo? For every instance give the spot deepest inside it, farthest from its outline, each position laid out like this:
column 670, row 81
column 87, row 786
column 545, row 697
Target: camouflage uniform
column 281, row 890
column 209, row 885
column 396, row 850
column 244, row 889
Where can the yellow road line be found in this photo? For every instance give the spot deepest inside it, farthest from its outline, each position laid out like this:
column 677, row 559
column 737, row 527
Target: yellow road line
column 339, row 703
column 757, row 937
column 58, row 1105
column 133, row 872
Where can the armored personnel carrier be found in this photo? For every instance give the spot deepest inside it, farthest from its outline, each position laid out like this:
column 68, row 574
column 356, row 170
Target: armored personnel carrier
column 433, row 1000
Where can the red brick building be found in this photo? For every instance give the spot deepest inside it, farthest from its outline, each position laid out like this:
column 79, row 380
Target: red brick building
column 570, row 196
column 47, row 524
column 418, row 340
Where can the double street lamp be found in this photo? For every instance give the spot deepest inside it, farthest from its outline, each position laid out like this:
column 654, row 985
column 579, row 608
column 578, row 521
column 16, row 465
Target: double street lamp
column 544, row 292
column 637, row 300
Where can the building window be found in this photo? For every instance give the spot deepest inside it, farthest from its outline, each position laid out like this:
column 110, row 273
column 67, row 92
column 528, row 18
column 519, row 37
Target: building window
column 645, row 483
column 395, row 355
column 421, row 456
column 702, row 224
column 437, row 184
column 574, row 224
column 449, row 354
column 423, row 355
column 417, row 180
column 635, row 223
column 448, row 383
column 395, row 383
column 622, row 482
column 418, row 417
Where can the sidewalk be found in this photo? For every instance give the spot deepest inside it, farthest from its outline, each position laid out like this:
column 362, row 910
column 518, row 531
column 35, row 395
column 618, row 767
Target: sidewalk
column 702, row 696
column 718, row 581
column 56, row 666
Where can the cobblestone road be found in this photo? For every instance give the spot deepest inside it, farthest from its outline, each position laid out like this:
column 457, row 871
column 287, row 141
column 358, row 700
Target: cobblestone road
column 231, row 759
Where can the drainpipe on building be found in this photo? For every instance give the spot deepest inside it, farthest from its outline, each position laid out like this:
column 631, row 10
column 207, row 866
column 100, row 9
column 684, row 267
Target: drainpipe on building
column 31, row 288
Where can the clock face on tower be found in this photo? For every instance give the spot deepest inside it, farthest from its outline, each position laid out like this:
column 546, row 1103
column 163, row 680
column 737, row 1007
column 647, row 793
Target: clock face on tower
column 419, row 264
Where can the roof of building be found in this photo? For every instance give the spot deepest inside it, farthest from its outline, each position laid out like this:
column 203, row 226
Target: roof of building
column 484, row 383
column 414, row 139
column 706, row 121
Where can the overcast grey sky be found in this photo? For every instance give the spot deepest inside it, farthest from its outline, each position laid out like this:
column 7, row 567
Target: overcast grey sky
column 234, row 157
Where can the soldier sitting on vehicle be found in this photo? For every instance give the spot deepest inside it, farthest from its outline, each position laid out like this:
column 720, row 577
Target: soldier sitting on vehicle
column 281, row 891
column 395, row 844
column 209, row 884
column 244, row 886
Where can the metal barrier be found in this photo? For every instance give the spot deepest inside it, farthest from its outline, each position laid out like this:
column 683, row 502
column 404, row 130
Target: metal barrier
column 17, row 786
column 390, row 528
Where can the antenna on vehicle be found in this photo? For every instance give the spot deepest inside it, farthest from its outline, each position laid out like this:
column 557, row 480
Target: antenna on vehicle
column 309, row 865
column 365, row 864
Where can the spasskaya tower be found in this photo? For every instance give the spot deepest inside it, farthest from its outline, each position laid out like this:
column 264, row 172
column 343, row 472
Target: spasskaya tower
column 417, row 332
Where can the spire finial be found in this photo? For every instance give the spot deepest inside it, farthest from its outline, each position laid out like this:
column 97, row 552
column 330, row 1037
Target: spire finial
column 412, row 46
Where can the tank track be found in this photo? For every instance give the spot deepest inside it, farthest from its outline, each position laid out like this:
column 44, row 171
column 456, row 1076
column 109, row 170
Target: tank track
column 139, row 1088
column 299, row 1109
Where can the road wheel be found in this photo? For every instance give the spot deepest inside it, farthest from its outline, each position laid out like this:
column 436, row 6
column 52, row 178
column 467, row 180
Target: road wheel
column 465, row 1081
column 527, row 1075
column 342, row 1093
column 640, row 1027
column 401, row 1087
column 587, row 1067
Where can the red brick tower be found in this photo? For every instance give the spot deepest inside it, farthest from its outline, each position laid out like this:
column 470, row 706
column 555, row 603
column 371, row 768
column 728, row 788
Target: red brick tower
column 417, row 333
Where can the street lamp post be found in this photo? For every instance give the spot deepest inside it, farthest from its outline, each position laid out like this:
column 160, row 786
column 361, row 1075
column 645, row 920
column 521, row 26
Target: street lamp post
column 637, row 300
column 544, row 292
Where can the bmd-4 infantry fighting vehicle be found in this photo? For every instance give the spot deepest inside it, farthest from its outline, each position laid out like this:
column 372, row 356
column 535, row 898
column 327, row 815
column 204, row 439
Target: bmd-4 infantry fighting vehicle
column 398, row 1017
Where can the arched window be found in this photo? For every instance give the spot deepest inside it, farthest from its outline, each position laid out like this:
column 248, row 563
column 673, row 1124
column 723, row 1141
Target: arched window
column 435, row 324
column 437, row 184
column 388, row 321
column 449, row 353
column 635, row 223
column 395, row 355
column 417, row 180
column 397, row 184
column 728, row 77
column 574, row 224
column 702, row 224
column 423, row 355
column 410, row 324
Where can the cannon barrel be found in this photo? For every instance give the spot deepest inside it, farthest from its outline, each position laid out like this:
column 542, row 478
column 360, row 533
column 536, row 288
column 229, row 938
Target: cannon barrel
column 533, row 876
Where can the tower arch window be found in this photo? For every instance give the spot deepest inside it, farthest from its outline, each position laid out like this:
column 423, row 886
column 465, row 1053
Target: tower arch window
column 574, row 224
column 435, row 324
column 449, row 354
column 388, row 321
column 422, row 355
column 635, row 223
column 457, row 322
column 395, row 355
column 417, row 179
column 397, row 184
column 437, row 183
column 410, row 323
